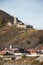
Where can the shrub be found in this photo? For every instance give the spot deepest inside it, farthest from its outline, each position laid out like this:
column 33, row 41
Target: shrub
column 24, row 56
column 13, row 58
column 41, row 63
column 35, row 62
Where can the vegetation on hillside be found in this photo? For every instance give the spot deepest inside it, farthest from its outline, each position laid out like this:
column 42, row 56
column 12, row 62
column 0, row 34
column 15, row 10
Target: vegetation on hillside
column 28, row 38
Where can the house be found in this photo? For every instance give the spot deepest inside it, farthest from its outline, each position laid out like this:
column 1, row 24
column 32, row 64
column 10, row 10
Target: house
column 29, row 27
column 19, row 23
column 12, row 23
column 21, row 26
column 28, row 50
column 2, row 52
column 9, row 24
column 16, row 23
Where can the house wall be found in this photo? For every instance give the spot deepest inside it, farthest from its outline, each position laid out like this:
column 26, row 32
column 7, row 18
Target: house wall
column 9, row 24
column 21, row 26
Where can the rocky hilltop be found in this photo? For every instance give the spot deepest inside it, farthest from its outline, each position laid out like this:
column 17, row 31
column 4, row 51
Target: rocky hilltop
column 5, row 17
column 19, row 37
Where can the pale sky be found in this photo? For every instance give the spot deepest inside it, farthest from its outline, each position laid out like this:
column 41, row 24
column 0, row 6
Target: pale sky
column 28, row 11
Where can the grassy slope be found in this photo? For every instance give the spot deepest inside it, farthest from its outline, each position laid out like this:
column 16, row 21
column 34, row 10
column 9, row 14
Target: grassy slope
column 14, row 36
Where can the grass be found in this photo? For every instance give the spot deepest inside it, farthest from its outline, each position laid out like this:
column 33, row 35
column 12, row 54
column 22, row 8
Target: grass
column 41, row 63
column 14, row 37
column 36, row 62
column 32, row 58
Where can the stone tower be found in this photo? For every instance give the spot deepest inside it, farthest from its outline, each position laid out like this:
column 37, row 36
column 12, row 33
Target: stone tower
column 15, row 20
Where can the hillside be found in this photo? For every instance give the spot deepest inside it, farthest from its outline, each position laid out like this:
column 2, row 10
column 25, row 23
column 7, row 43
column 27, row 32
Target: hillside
column 21, row 38
column 5, row 17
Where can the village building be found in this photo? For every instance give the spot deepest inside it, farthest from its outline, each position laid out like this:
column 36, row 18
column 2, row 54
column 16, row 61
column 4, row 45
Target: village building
column 21, row 26
column 9, row 24
column 33, row 52
column 10, row 46
column 17, row 23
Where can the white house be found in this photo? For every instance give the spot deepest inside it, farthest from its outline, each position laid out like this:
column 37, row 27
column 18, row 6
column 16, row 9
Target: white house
column 9, row 24
column 21, row 26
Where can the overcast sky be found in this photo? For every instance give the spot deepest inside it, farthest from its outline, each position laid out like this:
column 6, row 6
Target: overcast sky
column 28, row 11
